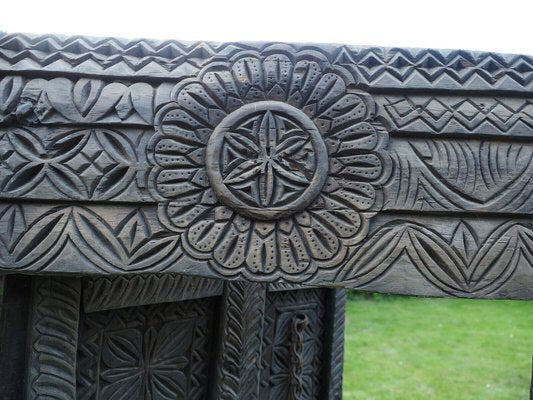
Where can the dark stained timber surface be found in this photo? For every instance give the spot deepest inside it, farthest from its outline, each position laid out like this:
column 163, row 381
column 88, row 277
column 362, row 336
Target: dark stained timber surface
column 387, row 169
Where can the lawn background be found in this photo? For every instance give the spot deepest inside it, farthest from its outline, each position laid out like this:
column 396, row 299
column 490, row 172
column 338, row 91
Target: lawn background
column 446, row 349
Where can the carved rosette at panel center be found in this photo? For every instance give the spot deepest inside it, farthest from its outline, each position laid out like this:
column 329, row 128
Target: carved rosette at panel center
column 268, row 164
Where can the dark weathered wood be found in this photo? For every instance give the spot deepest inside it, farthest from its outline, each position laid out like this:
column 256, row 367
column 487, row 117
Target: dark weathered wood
column 334, row 344
column 172, row 60
column 240, row 337
column 128, row 291
column 17, row 296
column 197, row 194
column 314, row 165
column 157, row 351
column 53, row 338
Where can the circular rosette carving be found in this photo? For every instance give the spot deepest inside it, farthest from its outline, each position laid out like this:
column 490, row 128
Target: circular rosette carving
column 268, row 164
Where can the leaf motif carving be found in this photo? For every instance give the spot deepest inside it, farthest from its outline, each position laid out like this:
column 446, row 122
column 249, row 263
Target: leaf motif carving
column 25, row 178
column 59, row 92
column 65, row 144
column 99, row 239
column 441, row 262
column 142, row 99
column 27, row 144
column 134, row 230
column 436, row 259
column 41, row 236
column 109, row 96
column 67, row 181
column 464, row 242
column 497, row 257
column 85, row 93
column 13, row 224
column 10, row 90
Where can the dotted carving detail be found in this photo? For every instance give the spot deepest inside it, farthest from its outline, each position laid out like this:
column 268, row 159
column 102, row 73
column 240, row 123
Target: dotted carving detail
column 268, row 164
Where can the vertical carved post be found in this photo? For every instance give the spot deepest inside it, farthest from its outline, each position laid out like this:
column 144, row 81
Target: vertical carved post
column 53, row 338
column 238, row 366
column 334, row 351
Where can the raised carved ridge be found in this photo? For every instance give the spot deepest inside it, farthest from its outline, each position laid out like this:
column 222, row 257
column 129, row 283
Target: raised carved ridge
column 458, row 115
column 460, row 265
column 372, row 66
column 127, row 291
column 241, row 336
column 460, row 175
column 334, row 351
column 90, row 164
column 54, row 338
column 88, row 101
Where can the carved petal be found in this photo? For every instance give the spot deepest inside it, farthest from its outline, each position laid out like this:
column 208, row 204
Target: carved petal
column 184, row 215
column 223, row 86
column 358, row 167
column 204, row 235
column 326, row 92
column 360, row 136
column 278, row 70
column 305, row 76
column 249, row 78
column 194, row 98
column 345, row 223
column 321, row 240
column 294, row 257
column 349, row 109
column 262, row 257
column 231, row 249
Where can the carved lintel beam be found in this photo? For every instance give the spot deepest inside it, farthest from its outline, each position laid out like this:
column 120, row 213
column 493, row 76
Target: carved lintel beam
column 396, row 170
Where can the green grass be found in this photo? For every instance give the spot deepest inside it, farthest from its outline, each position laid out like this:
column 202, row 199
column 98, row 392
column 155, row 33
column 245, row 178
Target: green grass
column 446, row 349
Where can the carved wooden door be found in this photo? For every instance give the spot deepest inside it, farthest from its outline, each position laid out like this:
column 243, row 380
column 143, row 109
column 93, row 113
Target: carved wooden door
column 169, row 337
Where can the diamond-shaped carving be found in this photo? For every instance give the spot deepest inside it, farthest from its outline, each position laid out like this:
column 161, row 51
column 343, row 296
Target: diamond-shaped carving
column 436, row 109
column 502, row 112
column 468, row 110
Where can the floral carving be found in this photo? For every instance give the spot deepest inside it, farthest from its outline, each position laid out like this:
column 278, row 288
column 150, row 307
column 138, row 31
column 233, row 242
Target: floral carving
column 146, row 364
column 160, row 351
column 268, row 164
column 95, row 164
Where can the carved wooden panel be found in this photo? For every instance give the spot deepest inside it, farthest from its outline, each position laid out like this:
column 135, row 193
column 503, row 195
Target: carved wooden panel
column 387, row 169
column 159, row 351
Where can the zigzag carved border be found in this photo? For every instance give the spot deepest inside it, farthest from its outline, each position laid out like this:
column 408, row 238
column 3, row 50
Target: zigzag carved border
column 373, row 66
